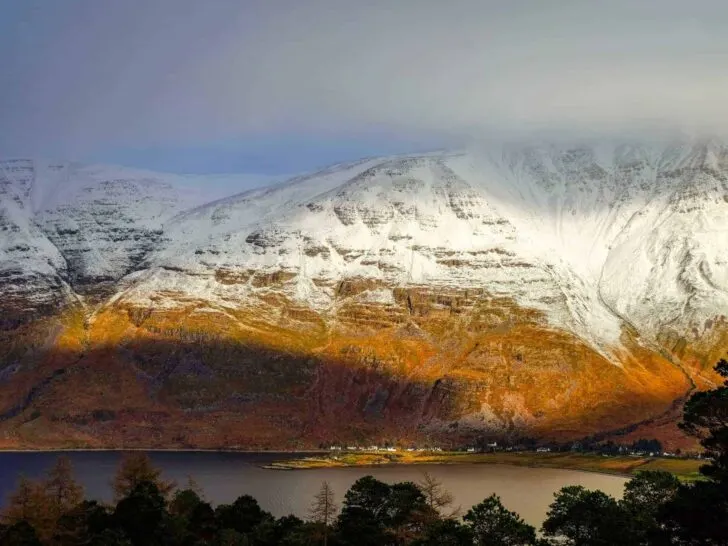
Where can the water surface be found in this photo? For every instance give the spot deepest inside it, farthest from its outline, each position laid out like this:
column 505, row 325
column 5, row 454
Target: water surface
column 225, row 476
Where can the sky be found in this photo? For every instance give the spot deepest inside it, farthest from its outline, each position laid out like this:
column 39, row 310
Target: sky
column 285, row 86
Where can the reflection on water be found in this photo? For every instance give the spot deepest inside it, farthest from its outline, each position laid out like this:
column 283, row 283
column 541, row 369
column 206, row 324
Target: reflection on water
column 225, row 476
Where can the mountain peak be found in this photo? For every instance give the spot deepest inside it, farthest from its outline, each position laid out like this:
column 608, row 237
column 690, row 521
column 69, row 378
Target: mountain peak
column 606, row 256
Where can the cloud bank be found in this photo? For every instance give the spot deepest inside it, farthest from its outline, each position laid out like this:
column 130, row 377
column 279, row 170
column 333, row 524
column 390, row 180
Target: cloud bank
column 81, row 75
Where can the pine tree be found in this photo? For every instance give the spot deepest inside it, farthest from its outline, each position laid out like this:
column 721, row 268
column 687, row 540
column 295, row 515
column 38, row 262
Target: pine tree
column 323, row 509
column 135, row 468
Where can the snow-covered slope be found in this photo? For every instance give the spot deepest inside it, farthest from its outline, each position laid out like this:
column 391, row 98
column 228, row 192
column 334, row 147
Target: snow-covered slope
column 596, row 237
column 69, row 229
column 31, row 267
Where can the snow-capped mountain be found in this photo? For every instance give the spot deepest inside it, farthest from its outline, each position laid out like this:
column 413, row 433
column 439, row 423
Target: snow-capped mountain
column 595, row 238
column 70, row 229
column 610, row 259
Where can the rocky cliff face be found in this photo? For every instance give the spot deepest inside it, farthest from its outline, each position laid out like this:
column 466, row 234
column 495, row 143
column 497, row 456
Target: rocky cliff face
column 516, row 290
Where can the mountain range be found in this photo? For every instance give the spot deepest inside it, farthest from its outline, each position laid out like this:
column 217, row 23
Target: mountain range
column 505, row 291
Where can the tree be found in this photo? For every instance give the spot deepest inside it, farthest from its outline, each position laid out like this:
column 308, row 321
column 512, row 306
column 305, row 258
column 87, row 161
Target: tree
column 698, row 514
column 323, row 509
column 437, row 497
column 42, row 503
column 192, row 485
column 362, row 518
column 287, row 531
column 29, row 503
column 184, row 503
column 82, row 525
column 368, row 494
column 140, row 514
column 448, row 532
column 357, row 526
column 20, row 534
column 242, row 516
column 648, row 490
column 62, row 489
column 191, row 515
column 494, row 525
column 705, row 416
column 579, row 517
column 375, row 513
column 20, row 505
column 644, row 495
column 230, row 537
column 406, row 513
column 136, row 468
column 649, row 446
column 201, row 521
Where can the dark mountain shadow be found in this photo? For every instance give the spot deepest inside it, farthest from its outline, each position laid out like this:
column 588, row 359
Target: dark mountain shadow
column 203, row 392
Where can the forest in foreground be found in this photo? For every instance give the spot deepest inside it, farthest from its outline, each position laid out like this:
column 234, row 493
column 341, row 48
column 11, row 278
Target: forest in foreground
column 656, row 508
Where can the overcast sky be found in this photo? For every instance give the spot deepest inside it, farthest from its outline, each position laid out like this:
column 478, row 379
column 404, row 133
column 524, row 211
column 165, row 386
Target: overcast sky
column 283, row 86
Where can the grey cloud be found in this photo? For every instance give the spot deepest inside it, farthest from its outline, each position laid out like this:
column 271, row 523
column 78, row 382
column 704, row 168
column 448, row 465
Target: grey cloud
column 83, row 74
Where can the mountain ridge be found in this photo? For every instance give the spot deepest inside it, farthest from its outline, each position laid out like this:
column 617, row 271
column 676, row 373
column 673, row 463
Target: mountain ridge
column 409, row 266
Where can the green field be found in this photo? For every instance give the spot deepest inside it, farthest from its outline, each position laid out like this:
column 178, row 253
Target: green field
column 685, row 469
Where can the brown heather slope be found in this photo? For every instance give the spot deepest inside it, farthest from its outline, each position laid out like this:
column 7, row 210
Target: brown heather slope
column 442, row 366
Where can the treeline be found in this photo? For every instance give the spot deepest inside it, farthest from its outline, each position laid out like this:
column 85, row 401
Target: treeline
column 656, row 509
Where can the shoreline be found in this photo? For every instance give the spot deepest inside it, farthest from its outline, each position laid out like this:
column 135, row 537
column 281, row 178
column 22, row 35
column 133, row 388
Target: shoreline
column 166, row 450
column 385, row 465
column 623, row 466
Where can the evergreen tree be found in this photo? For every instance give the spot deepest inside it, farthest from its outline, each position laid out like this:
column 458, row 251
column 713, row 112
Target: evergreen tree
column 643, row 498
column 184, row 502
column 407, row 513
column 140, row 515
column 705, row 416
column 579, row 517
column 698, row 513
column 494, row 525
column 242, row 516
column 363, row 514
